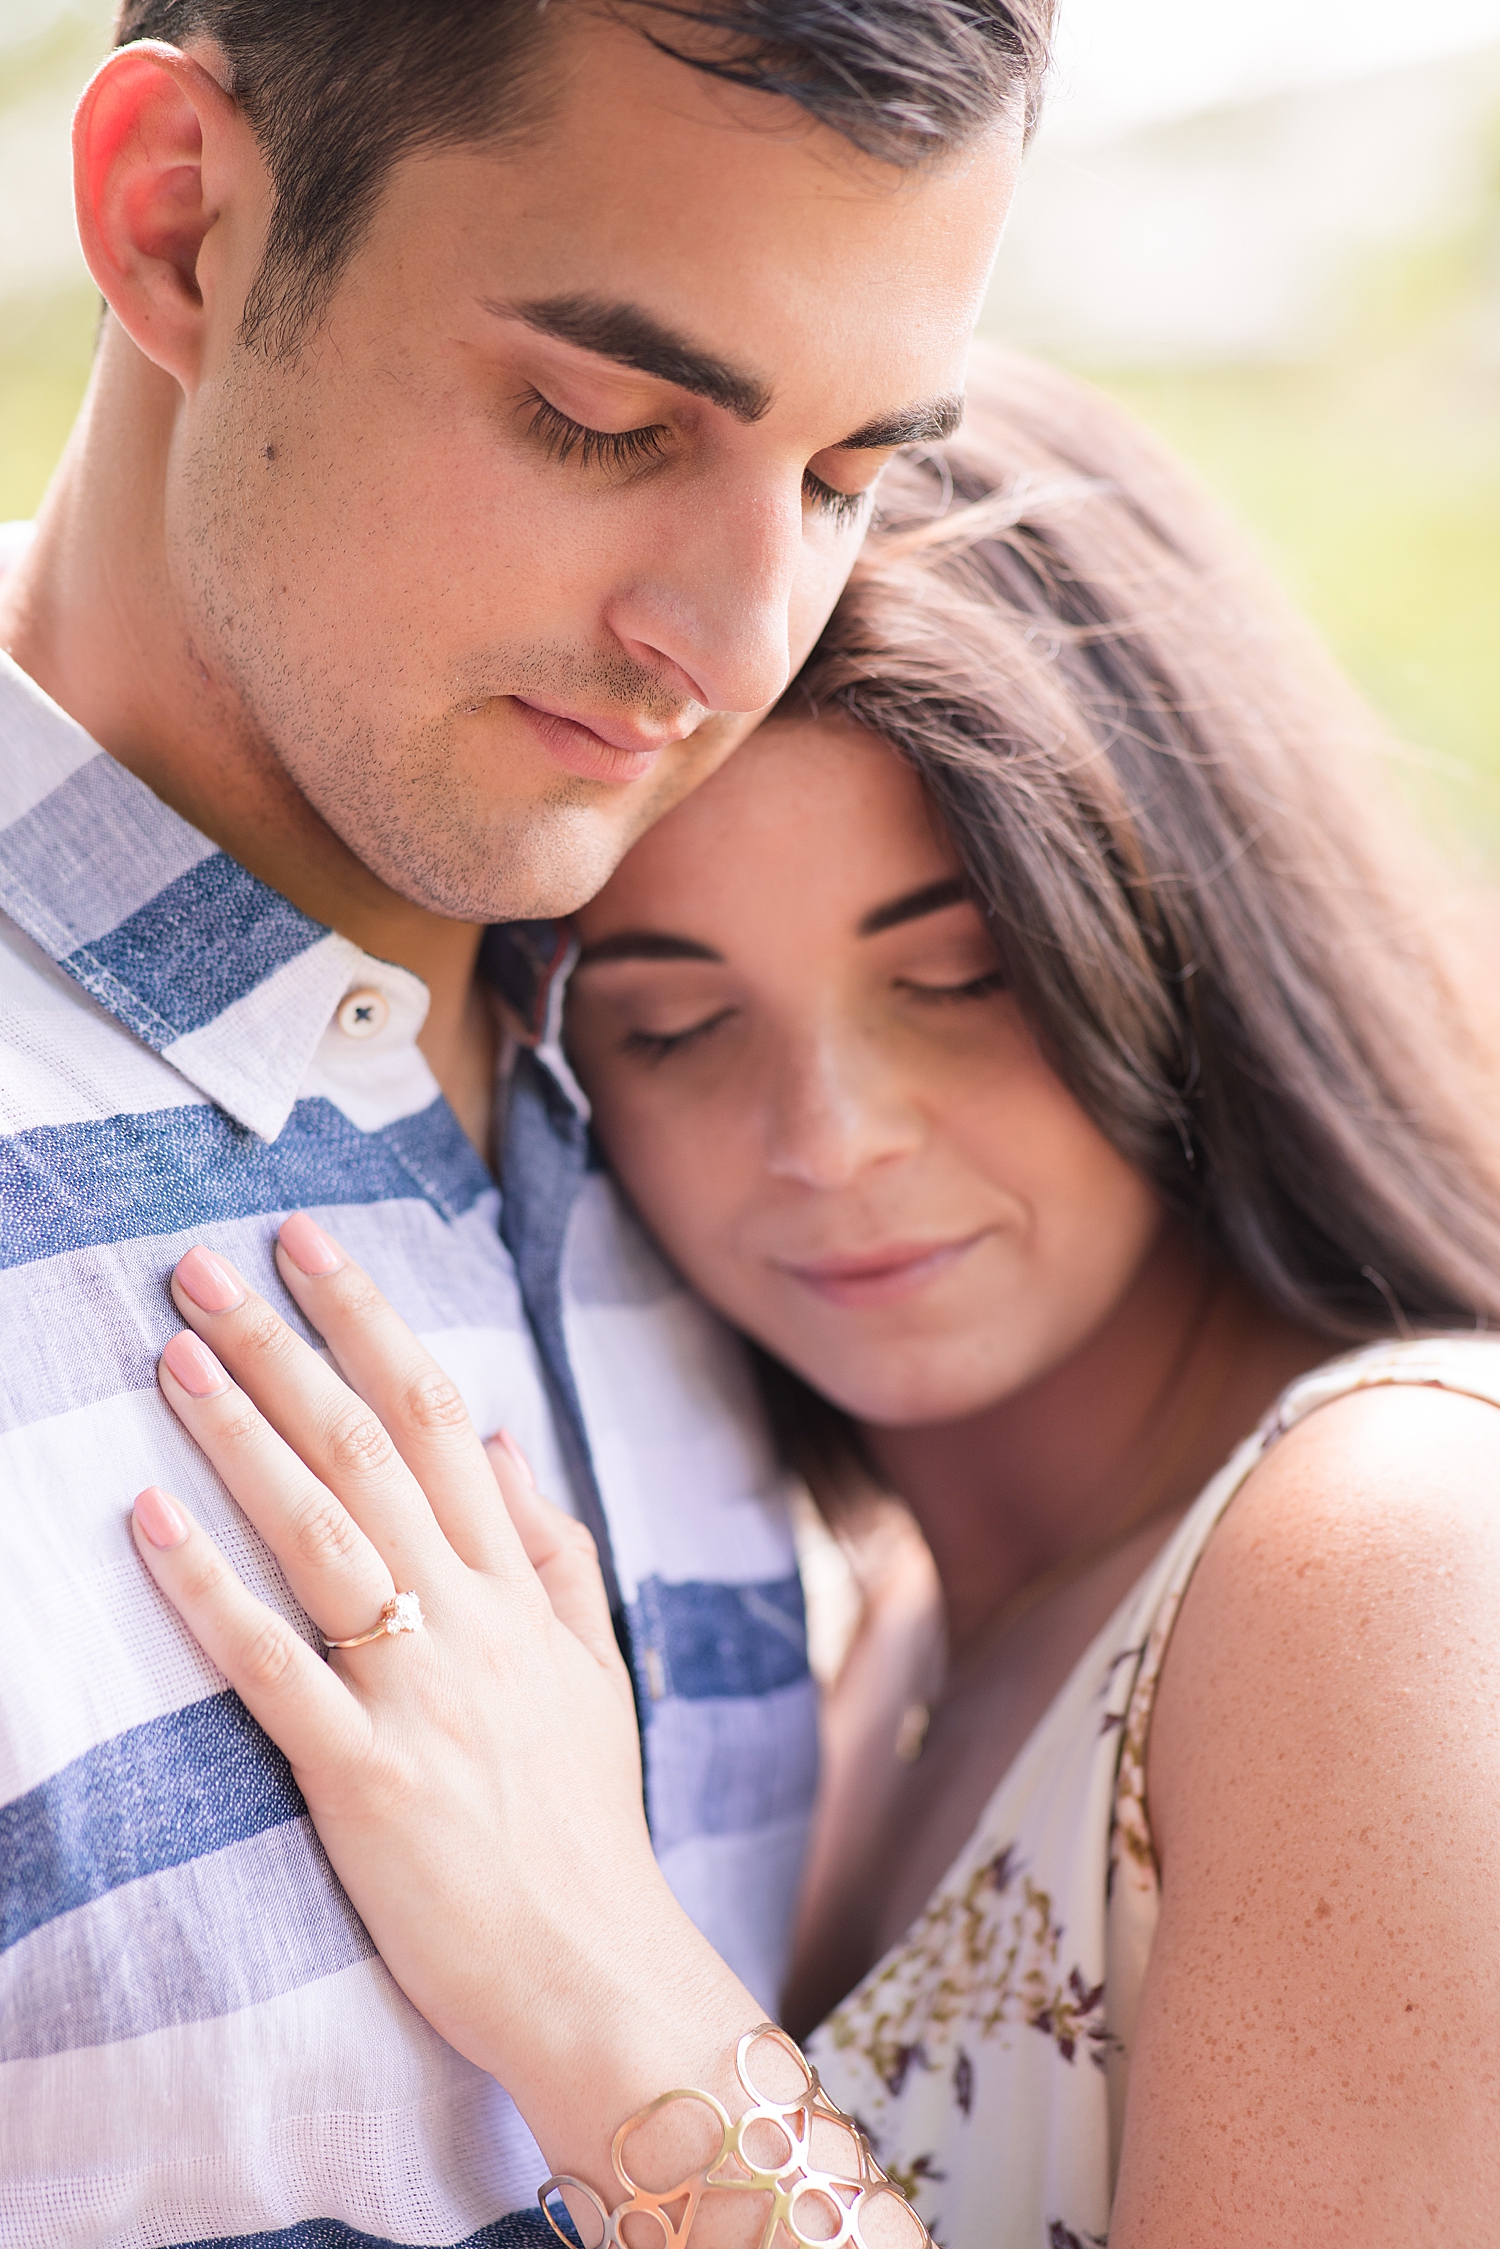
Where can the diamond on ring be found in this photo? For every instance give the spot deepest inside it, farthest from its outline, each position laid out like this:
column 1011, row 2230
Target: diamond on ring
column 401, row 1613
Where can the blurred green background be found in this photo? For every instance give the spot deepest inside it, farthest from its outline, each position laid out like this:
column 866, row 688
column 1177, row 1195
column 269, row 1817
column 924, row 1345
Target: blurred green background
column 1372, row 478
column 1299, row 287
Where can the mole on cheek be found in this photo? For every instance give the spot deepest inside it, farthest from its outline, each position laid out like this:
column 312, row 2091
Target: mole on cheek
column 270, row 452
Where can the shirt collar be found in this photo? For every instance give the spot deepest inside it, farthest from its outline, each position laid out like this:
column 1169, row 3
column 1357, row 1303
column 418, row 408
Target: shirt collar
column 529, row 964
column 226, row 979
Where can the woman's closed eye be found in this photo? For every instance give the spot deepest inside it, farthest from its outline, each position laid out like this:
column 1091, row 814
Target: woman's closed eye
column 981, row 987
column 655, row 1046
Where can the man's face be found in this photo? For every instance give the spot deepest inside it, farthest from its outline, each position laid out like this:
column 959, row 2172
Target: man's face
column 496, row 596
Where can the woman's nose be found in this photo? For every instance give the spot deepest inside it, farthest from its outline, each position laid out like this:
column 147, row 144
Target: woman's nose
column 836, row 1109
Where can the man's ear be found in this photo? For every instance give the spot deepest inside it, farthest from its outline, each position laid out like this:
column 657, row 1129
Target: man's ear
column 160, row 152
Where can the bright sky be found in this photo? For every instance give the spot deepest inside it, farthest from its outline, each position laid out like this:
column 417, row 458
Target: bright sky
column 1127, row 62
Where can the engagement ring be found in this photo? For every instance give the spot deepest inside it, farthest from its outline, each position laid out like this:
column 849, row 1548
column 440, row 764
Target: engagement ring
column 402, row 1613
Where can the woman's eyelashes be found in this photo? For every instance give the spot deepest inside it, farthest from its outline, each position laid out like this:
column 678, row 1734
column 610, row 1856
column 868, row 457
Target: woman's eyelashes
column 980, row 987
column 655, row 1046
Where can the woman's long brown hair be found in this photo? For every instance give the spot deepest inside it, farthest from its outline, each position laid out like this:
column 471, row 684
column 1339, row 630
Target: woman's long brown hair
column 1174, row 814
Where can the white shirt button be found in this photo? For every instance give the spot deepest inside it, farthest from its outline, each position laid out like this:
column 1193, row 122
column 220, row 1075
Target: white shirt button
column 363, row 1013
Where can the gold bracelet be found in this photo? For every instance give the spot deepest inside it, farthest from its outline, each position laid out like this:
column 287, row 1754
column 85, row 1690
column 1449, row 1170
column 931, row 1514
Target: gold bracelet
column 840, row 2192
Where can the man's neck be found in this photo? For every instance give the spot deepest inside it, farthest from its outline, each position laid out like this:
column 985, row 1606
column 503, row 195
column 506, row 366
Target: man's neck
column 90, row 613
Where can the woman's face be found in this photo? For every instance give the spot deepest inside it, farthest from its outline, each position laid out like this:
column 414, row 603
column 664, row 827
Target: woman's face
column 809, row 1077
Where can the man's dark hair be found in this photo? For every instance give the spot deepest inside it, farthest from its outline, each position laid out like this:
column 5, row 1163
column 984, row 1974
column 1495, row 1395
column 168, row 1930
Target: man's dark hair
column 338, row 90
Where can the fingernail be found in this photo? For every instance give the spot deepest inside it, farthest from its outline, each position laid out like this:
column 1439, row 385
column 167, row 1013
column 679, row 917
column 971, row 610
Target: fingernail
column 194, row 1366
column 308, row 1247
column 209, row 1281
column 158, row 1518
column 509, row 1445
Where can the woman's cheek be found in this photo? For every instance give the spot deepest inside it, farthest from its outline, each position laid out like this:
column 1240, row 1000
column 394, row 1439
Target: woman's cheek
column 696, row 1189
column 1023, row 1131
column 1100, row 1219
column 664, row 1155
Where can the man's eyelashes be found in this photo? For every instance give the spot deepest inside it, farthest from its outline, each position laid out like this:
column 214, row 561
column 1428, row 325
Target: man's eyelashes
column 566, row 440
column 843, row 507
column 563, row 439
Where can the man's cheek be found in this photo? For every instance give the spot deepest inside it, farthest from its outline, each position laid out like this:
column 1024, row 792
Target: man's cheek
column 819, row 583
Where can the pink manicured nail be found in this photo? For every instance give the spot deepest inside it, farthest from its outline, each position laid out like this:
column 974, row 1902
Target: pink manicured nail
column 508, row 1443
column 158, row 1518
column 308, row 1247
column 194, row 1366
column 209, row 1281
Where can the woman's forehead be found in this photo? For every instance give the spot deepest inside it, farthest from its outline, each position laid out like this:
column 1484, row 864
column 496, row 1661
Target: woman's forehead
column 804, row 801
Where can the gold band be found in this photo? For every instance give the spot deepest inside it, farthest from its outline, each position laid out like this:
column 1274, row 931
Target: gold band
column 402, row 1613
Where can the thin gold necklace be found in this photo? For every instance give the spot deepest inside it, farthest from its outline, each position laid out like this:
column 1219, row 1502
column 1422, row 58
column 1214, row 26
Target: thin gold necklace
column 1150, row 1502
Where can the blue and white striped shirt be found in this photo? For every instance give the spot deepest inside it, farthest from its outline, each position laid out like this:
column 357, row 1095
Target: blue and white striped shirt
column 197, row 2042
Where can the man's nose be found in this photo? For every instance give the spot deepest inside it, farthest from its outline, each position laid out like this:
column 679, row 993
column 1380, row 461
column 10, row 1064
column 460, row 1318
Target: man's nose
column 837, row 1107
column 716, row 600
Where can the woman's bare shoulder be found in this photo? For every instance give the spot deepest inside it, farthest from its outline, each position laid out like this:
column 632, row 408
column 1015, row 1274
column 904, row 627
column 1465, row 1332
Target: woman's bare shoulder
column 1324, row 1783
column 1363, row 1542
column 1392, row 1476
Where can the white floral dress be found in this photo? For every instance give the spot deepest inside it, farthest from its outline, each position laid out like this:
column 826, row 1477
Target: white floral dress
column 987, row 2054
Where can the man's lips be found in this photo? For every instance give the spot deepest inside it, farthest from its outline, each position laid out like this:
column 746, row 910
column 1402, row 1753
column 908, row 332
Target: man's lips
column 598, row 746
column 879, row 1276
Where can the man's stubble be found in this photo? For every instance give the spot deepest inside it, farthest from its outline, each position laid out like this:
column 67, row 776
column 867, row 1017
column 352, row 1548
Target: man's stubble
column 399, row 749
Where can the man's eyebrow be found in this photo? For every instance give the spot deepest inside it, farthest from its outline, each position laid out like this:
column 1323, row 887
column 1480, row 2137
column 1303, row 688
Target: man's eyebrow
column 924, row 424
column 930, row 900
column 646, row 945
column 624, row 333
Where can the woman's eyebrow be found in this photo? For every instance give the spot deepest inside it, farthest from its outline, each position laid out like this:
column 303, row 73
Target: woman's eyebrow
column 646, row 945
column 931, row 899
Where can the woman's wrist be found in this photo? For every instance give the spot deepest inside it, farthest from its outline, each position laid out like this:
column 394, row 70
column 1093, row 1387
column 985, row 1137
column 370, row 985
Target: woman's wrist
column 660, row 2079
column 621, row 2004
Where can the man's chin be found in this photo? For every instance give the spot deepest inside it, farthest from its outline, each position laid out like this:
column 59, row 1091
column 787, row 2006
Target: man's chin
column 538, row 869
column 532, row 857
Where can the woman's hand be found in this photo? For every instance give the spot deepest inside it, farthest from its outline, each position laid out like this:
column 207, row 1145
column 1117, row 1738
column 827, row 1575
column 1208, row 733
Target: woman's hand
column 476, row 1783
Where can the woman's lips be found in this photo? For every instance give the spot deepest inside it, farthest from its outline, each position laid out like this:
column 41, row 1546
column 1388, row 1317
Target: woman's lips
column 622, row 754
column 880, row 1276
